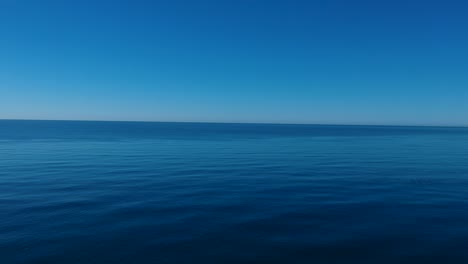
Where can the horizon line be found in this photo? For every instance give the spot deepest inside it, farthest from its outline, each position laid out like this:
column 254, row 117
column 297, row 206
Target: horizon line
column 221, row 122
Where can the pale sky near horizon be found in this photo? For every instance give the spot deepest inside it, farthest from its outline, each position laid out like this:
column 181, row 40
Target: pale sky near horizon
column 328, row 62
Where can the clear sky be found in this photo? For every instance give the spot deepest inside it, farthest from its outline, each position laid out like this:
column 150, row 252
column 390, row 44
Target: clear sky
column 330, row 61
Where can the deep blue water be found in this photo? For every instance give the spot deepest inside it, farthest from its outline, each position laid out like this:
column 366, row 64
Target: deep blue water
column 130, row 192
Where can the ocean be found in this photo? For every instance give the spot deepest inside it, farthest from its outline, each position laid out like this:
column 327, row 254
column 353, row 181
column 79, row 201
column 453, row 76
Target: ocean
column 143, row 192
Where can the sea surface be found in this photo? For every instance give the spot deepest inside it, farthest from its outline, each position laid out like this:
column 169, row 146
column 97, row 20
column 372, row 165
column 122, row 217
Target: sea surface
column 136, row 192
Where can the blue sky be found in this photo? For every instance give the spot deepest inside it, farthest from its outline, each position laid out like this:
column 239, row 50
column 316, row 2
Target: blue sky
column 330, row 62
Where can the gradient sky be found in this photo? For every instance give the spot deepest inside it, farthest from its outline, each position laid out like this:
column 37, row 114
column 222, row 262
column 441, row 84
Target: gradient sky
column 334, row 61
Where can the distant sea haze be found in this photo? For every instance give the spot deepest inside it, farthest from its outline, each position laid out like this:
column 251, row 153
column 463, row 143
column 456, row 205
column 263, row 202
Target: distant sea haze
column 143, row 192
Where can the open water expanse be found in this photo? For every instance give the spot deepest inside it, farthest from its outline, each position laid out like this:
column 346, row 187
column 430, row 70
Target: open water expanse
column 136, row 192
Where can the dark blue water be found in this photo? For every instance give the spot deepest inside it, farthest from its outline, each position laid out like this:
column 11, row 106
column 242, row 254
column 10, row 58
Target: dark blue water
column 123, row 192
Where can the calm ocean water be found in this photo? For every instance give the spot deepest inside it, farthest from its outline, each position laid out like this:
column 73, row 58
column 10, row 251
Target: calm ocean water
column 130, row 192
